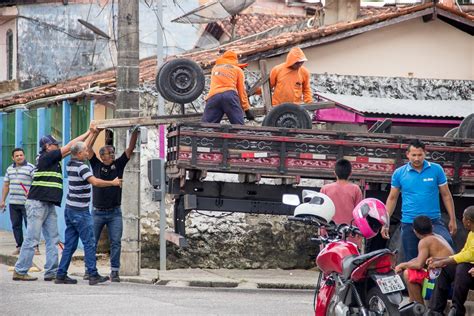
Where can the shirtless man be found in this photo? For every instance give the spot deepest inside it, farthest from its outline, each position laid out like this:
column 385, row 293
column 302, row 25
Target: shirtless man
column 430, row 245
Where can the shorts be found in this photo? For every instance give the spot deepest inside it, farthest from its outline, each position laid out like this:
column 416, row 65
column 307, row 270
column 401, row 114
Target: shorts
column 417, row 276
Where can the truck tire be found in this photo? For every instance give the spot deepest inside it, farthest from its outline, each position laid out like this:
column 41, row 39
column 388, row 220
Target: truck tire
column 466, row 128
column 180, row 80
column 452, row 132
column 288, row 115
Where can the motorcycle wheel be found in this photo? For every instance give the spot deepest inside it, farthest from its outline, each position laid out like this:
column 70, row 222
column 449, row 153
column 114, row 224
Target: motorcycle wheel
column 379, row 304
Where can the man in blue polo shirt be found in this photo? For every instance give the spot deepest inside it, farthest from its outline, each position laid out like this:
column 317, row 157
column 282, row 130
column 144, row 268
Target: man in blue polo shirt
column 420, row 183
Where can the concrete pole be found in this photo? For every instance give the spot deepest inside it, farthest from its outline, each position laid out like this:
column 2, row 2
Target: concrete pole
column 161, row 111
column 128, row 106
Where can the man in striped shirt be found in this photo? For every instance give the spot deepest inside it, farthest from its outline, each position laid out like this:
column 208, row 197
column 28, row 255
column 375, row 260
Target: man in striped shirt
column 17, row 182
column 79, row 222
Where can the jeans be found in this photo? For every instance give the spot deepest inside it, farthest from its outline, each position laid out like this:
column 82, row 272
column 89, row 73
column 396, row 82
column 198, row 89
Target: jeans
column 227, row 102
column 78, row 225
column 461, row 281
column 113, row 219
column 41, row 217
column 17, row 217
column 410, row 241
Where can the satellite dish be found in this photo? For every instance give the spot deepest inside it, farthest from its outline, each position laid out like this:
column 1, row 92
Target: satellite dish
column 213, row 11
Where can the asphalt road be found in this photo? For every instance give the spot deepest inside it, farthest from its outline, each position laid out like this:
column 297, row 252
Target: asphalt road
column 46, row 298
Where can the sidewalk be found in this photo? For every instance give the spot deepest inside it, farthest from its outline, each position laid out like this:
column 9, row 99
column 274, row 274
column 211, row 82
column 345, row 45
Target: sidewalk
column 230, row 278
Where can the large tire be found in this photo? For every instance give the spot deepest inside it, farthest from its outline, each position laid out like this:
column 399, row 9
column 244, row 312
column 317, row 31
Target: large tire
column 180, row 80
column 288, row 115
column 466, row 128
column 376, row 301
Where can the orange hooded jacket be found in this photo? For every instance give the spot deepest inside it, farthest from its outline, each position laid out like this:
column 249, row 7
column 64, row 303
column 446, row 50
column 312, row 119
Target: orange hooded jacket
column 228, row 75
column 291, row 85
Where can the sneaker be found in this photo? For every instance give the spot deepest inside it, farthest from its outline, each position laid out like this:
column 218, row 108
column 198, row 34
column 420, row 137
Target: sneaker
column 23, row 277
column 49, row 277
column 37, row 251
column 65, row 280
column 114, row 276
column 86, row 276
column 94, row 279
column 16, row 252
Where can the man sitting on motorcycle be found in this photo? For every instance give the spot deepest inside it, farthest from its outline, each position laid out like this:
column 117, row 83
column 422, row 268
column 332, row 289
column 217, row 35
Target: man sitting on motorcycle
column 457, row 271
column 430, row 245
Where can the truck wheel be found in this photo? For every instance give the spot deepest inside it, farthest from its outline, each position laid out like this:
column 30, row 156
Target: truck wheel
column 288, row 115
column 452, row 132
column 180, row 80
column 466, row 128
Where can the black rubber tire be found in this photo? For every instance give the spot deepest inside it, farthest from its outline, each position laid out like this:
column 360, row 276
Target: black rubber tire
column 452, row 132
column 180, row 80
column 374, row 292
column 288, row 115
column 466, row 128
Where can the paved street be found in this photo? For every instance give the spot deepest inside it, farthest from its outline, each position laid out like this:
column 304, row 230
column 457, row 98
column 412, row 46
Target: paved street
column 44, row 298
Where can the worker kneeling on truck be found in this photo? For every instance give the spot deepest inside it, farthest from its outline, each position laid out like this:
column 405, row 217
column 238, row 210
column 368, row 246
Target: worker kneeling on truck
column 227, row 92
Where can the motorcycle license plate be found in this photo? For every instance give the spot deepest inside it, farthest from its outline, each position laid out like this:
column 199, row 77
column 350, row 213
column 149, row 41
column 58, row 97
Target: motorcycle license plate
column 390, row 284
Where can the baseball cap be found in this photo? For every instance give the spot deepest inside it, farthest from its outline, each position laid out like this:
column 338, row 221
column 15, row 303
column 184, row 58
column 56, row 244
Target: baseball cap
column 48, row 140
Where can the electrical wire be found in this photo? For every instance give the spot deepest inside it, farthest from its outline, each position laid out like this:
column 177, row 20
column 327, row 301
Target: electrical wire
column 78, row 46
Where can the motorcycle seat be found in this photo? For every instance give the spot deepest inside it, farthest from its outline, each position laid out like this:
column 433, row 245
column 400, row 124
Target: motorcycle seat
column 352, row 262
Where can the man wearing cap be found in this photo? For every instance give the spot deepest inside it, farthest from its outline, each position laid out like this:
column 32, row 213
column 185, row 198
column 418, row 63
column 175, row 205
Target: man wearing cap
column 45, row 193
column 290, row 80
column 227, row 93
column 17, row 182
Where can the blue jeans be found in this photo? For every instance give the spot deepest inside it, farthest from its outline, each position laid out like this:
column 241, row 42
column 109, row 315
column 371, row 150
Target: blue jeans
column 41, row 217
column 113, row 219
column 410, row 241
column 78, row 225
column 227, row 102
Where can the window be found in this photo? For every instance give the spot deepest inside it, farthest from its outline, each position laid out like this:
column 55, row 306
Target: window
column 30, row 123
column 8, row 140
column 80, row 118
column 54, row 122
column 9, row 55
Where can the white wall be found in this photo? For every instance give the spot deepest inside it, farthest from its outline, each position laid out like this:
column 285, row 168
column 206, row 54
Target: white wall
column 427, row 50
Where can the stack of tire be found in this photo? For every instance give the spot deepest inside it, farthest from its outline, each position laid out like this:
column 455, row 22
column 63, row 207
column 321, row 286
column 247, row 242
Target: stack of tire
column 465, row 129
column 180, row 80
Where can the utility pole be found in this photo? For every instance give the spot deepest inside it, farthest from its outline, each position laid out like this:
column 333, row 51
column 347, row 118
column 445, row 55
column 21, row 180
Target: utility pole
column 128, row 100
column 162, row 130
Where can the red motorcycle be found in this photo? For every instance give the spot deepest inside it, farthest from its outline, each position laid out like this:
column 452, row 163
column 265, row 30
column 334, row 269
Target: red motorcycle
column 351, row 283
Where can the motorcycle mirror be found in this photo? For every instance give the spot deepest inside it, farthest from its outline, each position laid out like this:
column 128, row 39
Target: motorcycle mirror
column 291, row 199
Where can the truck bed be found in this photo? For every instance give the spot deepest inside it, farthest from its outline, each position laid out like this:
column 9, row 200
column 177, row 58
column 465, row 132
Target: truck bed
column 277, row 152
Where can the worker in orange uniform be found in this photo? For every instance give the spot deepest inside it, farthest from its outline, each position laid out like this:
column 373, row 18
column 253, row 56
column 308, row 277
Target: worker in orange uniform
column 290, row 80
column 227, row 92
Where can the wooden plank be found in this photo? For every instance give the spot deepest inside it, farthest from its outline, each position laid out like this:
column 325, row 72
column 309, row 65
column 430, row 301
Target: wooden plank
column 176, row 239
column 266, row 93
column 257, row 85
column 170, row 119
column 148, row 120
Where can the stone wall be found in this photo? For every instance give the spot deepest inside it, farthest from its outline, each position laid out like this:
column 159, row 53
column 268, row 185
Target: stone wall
column 259, row 241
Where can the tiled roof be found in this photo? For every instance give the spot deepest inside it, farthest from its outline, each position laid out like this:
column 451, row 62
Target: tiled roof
column 249, row 50
column 252, row 23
